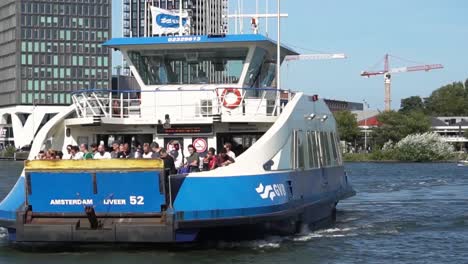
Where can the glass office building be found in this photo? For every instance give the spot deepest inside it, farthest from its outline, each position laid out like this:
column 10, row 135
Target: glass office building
column 51, row 48
column 207, row 16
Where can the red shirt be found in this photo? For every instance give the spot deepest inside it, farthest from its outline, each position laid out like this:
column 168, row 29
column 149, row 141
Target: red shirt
column 213, row 163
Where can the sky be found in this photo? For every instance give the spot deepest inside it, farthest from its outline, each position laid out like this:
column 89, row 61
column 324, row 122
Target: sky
column 420, row 31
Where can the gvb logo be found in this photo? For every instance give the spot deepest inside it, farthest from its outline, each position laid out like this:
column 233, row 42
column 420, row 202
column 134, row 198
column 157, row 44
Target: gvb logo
column 271, row 191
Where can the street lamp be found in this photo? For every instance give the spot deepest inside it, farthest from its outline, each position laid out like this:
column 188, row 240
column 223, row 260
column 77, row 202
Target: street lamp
column 366, row 107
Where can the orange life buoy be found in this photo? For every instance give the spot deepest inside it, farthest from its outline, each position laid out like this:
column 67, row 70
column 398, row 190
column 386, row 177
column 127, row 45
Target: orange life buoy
column 231, row 104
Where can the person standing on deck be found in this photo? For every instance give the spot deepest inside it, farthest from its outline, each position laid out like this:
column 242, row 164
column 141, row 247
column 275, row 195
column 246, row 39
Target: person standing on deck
column 169, row 165
column 102, row 153
column 86, row 154
column 115, row 150
column 224, row 159
column 155, row 147
column 78, row 154
column 230, row 153
column 193, row 160
column 67, row 156
column 147, row 153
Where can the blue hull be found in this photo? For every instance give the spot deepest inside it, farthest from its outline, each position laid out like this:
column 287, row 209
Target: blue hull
column 181, row 211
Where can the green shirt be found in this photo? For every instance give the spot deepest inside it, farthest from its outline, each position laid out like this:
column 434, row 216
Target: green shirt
column 88, row 155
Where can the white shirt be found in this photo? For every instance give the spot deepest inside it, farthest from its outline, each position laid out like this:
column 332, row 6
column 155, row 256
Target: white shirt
column 66, row 156
column 231, row 154
column 106, row 155
column 149, row 155
column 78, row 156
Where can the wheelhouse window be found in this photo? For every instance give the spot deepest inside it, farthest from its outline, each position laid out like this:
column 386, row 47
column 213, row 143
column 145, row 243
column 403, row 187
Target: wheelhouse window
column 190, row 66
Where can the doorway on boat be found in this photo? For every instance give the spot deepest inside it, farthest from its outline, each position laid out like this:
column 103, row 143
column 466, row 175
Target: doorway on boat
column 133, row 140
column 240, row 141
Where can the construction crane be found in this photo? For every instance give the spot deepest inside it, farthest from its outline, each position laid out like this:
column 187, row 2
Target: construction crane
column 315, row 57
column 387, row 73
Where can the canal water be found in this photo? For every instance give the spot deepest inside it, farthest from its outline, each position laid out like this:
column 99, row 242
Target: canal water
column 403, row 213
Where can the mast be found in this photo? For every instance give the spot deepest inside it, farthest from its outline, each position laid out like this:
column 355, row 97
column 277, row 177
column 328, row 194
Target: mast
column 278, row 49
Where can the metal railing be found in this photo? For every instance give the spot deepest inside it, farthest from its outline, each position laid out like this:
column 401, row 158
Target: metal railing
column 181, row 104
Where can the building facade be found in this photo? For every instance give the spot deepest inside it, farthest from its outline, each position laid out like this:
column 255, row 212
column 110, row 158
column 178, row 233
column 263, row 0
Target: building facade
column 49, row 49
column 207, row 16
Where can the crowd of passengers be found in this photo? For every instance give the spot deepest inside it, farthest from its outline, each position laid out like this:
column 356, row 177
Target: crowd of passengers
column 172, row 160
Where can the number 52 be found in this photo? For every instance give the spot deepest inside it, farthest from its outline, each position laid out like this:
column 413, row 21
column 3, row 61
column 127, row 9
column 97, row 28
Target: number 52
column 137, row 200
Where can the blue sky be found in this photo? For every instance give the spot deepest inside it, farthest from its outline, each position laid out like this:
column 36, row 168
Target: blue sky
column 427, row 31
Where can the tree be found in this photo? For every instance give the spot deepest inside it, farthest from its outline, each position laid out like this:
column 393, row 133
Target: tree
column 413, row 103
column 449, row 100
column 396, row 126
column 347, row 125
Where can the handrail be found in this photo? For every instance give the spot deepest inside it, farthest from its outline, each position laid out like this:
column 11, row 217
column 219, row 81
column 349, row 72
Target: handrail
column 174, row 90
column 254, row 102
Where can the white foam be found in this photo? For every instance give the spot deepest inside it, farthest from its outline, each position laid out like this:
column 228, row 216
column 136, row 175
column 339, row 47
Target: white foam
column 3, row 233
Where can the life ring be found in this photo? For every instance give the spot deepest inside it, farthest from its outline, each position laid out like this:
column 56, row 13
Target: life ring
column 231, row 104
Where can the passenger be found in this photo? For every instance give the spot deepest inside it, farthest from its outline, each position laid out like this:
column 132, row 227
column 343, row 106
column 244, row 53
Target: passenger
column 59, row 155
column 122, row 154
column 94, row 148
column 147, row 153
column 210, row 162
column 136, row 151
column 78, row 154
column 224, row 159
column 115, row 150
column 41, row 155
column 178, row 158
column 67, row 155
column 193, row 160
column 213, row 150
column 86, row 154
column 127, row 150
column 73, row 153
column 50, row 154
column 169, row 165
column 102, row 153
column 230, row 153
column 155, row 147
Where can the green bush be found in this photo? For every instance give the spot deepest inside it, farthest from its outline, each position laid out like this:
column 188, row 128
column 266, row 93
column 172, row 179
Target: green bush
column 9, row 152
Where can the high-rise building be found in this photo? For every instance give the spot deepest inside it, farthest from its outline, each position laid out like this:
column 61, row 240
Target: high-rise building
column 49, row 49
column 207, row 16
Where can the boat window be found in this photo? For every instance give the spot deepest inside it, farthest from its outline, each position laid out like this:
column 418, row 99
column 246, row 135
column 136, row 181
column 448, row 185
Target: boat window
column 338, row 149
column 282, row 160
column 190, row 66
column 255, row 68
column 335, row 158
column 298, row 149
column 268, row 74
column 313, row 150
column 325, row 149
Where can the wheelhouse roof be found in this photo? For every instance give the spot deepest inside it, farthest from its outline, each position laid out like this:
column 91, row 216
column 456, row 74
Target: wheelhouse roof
column 204, row 41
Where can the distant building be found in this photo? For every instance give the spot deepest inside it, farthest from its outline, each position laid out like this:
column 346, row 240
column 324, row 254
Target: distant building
column 47, row 50
column 207, row 17
column 337, row 105
column 452, row 129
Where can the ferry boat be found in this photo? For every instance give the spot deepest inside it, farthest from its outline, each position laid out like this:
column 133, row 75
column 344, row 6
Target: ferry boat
column 200, row 90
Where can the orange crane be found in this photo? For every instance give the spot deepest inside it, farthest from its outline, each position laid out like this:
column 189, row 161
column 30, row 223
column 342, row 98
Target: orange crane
column 387, row 73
